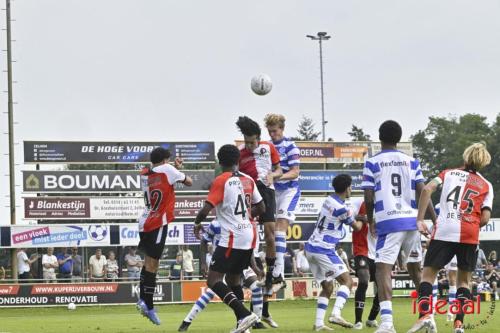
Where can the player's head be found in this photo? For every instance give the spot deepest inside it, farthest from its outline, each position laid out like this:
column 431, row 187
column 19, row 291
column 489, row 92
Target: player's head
column 229, row 156
column 275, row 124
column 390, row 132
column 250, row 130
column 476, row 156
column 159, row 155
column 342, row 184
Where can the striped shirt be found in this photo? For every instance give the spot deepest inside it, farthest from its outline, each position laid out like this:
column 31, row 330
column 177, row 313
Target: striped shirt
column 289, row 157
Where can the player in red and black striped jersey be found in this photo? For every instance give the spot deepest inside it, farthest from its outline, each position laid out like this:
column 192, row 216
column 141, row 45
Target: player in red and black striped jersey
column 157, row 183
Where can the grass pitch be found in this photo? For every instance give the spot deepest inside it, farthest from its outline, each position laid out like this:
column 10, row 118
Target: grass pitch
column 292, row 316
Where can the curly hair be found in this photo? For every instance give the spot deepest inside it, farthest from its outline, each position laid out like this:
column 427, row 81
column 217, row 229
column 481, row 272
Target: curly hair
column 390, row 132
column 248, row 127
column 228, row 155
column 273, row 119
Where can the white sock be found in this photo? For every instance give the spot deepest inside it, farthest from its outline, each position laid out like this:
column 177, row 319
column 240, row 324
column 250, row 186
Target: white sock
column 452, row 296
column 280, row 240
column 342, row 295
column 434, row 296
column 257, row 299
column 200, row 305
column 321, row 310
column 386, row 313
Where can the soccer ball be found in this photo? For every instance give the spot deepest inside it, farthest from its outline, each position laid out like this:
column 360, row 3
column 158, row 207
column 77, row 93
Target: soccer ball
column 71, row 306
column 98, row 232
column 261, row 84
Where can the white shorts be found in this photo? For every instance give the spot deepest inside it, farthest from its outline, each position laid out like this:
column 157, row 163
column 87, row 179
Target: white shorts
column 286, row 202
column 389, row 245
column 452, row 265
column 325, row 267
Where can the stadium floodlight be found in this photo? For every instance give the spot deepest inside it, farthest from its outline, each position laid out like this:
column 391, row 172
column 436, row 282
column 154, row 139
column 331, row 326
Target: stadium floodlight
column 321, row 36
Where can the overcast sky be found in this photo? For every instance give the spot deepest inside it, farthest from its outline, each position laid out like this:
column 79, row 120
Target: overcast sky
column 180, row 70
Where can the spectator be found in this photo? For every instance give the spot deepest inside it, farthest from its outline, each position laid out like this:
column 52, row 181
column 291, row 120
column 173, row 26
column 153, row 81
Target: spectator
column 187, row 262
column 111, row 267
column 23, row 265
column 343, row 255
column 77, row 266
column 49, row 263
column 481, row 259
column 97, row 266
column 35, row 267
column 492, row 277
column 302, row 263
column 134, row 264
column 2, row 273
column 492, row 258
column 65, row 265
column 290, row 264
column 210, row 253
column 176, row 268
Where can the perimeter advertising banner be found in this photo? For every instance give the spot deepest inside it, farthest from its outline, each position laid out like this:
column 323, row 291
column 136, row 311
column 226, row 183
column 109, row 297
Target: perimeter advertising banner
column 103, row 208
column 59, row 235
column 113, row 152
column 321, row 180
column 340, row 152
column 103, row 181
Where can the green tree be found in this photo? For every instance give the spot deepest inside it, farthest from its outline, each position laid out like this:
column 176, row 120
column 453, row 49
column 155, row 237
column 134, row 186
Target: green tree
column 306, row 131
column 357, row 134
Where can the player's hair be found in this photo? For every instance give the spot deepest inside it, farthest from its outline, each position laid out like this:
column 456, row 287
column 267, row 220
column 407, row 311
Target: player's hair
column 273, row 119
column 341, row 182
column 476, row 156
column 228, row 155
column 159, row 154
column 248, row 127
column 390, row 132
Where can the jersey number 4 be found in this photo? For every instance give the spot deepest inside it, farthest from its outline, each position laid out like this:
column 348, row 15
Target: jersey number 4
column 154, row 197
column 454, row 195
column 242, row 205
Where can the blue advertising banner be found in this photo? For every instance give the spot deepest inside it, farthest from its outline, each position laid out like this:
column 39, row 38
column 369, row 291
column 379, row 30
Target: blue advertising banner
column 113, row 152
column 321, row 180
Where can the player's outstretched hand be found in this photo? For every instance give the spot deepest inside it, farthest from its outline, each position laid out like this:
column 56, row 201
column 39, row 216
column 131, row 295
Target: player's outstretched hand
column 198, row 230
column 179, row 162
column 422, row 228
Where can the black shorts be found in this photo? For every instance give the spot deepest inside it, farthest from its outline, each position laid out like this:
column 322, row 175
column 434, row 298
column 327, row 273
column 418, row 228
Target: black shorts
column 269, row 199
column 362, row 262
column 232, row 261
column 153, row 242
column 440, row 253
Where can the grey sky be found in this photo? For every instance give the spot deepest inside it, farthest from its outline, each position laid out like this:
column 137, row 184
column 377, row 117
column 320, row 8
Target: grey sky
column 180, row 70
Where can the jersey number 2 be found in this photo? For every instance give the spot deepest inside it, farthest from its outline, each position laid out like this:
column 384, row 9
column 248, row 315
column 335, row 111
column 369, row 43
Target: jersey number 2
column 156, row 197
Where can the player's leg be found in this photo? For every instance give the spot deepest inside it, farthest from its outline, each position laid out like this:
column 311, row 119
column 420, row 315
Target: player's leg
column 345, row 281
column 197, row 308
column 269, row 221
column 466, row 263
column 412, row 246
column 250, row 281
column 286, row 202
column 438, row 254
column 372, row 322
column 319, row 269
column 387, row 251
column 363, row 274
column 452, row 290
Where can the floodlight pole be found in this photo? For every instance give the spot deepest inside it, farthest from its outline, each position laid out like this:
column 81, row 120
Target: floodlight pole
column 320, row 37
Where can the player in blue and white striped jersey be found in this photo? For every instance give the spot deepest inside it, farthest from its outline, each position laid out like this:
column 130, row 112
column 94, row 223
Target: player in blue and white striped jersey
column 287, row 191
column 212, row 236
column 324, row 262
column 392, row 182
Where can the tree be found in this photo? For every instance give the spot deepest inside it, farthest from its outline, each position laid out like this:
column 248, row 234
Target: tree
column 357, row 134
column 306, row 130
column 441, row 144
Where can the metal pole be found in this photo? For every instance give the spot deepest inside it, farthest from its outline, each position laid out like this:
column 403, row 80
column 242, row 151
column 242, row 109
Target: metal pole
column 11, row 135
column 322, row 94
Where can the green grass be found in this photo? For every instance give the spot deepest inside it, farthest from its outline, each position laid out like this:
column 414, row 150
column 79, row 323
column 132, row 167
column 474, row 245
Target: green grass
column 293, row 316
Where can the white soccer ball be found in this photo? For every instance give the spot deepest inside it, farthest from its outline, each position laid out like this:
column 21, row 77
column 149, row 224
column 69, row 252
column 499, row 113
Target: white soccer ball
column 71, row 306
column 261, row 84
column 98, row 232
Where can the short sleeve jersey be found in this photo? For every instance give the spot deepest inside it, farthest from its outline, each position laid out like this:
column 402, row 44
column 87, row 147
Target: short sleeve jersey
column 464, row 195
column 363, row 243
column 393, row 176
column 232, row 195
column 329, row 229
column 259, row 162
column 159, row 196
column 289, row 157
